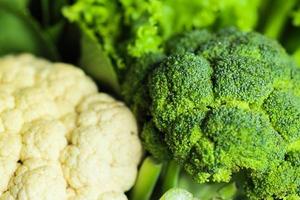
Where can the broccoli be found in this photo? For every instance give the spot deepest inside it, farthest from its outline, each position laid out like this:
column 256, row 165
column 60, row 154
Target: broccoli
column 132, row 89
column 280, row 181
column 221, row 104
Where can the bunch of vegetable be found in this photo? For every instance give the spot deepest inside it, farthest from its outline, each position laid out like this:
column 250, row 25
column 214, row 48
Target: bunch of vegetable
column 214, row 87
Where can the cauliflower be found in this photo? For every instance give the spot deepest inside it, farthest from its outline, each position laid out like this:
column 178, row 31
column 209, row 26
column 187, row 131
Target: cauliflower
column 59, row 138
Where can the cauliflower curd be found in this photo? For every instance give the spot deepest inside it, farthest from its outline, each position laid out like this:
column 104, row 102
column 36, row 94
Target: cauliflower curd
column 59, row 138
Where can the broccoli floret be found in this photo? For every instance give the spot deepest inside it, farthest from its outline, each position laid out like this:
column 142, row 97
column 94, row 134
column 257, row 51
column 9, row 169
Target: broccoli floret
column 241, row 139
column 180, row 85
column 269, row 53
column 242, row 78
column 224, row 104
column 296, row 80
column 279, row 182
column 283, row 109
column 134, row 83
column 179, row 92
column 153, row 141
column 187, row 41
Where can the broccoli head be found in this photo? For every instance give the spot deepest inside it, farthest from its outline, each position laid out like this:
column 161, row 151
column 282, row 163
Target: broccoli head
column 225, row 103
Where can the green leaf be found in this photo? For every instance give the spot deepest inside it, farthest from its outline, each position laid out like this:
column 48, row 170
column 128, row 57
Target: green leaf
column 96, row 63
column 55, row 30
column 50, row 11
column 20, row 33
column 45, row 11
column 17, row 4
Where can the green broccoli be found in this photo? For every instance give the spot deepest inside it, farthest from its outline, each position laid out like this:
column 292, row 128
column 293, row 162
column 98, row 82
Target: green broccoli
column 133, row 83
column 223, row 104
column 280, row 181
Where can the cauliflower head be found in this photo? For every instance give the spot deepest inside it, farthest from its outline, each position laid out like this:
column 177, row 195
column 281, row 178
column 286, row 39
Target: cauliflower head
column 59, row 138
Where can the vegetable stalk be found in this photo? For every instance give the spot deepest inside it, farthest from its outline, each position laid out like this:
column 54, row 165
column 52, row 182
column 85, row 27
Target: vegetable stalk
column 172, row 176
column 279, row 13
column 296, row 55
column 146, row 180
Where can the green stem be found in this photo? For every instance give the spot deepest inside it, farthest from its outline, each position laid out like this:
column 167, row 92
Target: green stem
column 296, row 56
column 172, row 176
column 263, row 13
column 146, row 180
column 279, row 13
column 45, row 12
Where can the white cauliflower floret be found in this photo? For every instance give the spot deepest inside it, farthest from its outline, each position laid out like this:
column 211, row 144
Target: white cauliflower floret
column 10, row 147
column 43, row 139
column 88, row 193
column 102, row 156
column 35, row 103
column 59, row 138
column 11, row 120
column 37, row 179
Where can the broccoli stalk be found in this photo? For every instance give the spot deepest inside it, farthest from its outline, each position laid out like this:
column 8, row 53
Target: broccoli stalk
column 157, row 179
column 279, row 11
column 296, row 56
column 147, row 178
column 171, row 177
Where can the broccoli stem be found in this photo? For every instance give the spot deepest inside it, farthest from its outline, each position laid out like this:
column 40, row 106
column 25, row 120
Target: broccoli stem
column 171, row 177
column 279, row 13
column 296, row 56
column 45, row 12
column 146, row 180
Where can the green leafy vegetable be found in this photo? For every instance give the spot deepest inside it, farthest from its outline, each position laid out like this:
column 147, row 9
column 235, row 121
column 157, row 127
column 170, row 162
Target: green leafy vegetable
column 220, row 106
column 100, row 18
column 95, row 62
column 135, row 28
column 22, row 34
column 21, row 5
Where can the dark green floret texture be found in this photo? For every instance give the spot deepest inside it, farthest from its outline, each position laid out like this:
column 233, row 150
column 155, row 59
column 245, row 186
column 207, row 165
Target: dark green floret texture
column 222, row 104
